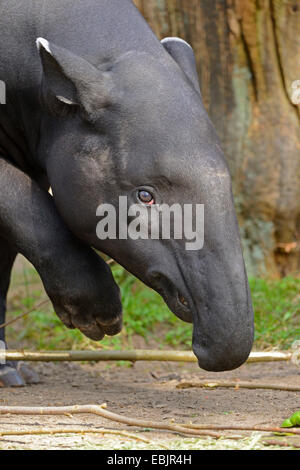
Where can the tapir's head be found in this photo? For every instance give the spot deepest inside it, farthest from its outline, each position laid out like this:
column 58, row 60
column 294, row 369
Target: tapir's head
column 136, row 127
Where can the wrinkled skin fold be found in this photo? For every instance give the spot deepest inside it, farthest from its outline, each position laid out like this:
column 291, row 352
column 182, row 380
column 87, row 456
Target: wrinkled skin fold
column 97, row 111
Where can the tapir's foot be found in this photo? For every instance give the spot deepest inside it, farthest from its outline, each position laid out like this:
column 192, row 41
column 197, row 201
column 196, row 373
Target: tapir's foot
column 17, row 374
column 93, row 328
column 10, row 377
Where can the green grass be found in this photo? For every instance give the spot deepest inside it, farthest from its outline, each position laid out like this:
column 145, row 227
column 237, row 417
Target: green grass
column 277, row 311
column 276, row 305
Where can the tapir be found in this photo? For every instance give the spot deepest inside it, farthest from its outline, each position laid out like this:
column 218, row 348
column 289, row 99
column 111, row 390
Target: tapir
column 97, row 107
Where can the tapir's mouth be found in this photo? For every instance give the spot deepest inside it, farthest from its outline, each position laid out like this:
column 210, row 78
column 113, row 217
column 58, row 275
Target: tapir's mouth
column 178, row 303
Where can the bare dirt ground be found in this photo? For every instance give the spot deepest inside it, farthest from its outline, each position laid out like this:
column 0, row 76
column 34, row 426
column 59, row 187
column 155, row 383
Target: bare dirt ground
column 146, row 391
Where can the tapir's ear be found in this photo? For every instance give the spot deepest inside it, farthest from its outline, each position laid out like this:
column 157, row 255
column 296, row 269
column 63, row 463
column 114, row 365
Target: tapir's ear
column 184, row 55
column 71, row 80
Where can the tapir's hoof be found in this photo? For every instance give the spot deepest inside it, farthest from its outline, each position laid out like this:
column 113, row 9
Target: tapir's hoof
column 10, row 377
column 29, row 375
column 17, row 374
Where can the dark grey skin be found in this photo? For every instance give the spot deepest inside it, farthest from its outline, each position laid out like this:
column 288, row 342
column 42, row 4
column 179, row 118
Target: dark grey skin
column 101, row 110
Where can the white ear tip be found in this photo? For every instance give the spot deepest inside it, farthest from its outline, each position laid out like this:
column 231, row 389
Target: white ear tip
column 41, row 42
column 175, row 39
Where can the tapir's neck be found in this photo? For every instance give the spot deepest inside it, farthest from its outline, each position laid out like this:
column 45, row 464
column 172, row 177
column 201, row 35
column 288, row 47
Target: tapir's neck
column 99, row 30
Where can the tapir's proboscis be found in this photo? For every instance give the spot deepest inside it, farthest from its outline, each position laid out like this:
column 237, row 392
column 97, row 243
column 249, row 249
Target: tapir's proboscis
column 97, row 107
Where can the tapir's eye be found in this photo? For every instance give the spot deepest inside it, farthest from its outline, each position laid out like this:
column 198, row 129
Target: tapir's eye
column 146, row 197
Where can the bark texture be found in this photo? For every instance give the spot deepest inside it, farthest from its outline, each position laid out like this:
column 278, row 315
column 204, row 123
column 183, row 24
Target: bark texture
column 248, row 56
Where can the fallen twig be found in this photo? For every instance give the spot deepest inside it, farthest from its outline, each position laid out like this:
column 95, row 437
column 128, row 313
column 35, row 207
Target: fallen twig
column 240, row 427
column 101, row 411
column 237, row 385
column 274, row 442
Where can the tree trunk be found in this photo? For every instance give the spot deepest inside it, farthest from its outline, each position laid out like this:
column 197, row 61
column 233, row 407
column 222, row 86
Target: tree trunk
column 248, row 56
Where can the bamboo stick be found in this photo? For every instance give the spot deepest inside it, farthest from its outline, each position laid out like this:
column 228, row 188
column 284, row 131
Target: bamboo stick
column 130, row 355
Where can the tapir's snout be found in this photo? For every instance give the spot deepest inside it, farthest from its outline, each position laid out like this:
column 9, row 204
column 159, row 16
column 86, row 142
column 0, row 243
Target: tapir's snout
column 221, row 306
column 223, row 326
column 223, row 335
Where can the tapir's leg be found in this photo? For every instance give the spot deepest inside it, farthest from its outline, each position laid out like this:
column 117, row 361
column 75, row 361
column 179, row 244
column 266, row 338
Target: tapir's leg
column 78, row 282
column 7, row 258
column 12, row 374
column 9, row 377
